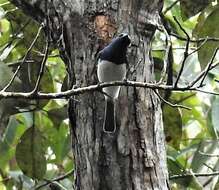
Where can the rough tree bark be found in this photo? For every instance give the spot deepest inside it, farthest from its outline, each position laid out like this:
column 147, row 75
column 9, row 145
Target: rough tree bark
column 133, row 157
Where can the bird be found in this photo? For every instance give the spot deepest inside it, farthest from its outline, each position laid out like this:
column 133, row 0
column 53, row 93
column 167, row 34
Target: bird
column 112, row 61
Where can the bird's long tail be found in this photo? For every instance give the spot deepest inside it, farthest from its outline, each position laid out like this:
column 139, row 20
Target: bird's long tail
column 109, row 125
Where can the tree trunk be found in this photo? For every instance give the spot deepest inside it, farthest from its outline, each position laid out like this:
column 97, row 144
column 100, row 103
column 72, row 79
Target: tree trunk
column 134, row 156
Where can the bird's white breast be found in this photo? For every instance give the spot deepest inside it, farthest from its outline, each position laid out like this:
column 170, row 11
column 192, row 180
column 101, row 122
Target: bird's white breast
column 108, row 71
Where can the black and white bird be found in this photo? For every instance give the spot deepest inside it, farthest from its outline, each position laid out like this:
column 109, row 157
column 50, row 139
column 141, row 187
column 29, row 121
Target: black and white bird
column 112, row 61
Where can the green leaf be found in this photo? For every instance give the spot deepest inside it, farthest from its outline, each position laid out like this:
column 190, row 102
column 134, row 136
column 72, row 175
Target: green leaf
column 215, row 113
column 199, row 158
column 6, row 75
column 65, row 84
column 11, row 136
column 175, row 10
column 209, row 28
column 11, row 131
column 190, row 8
column 201, row 19
column 2, row 13
column 30, row 154
column 209, row 125
column 56, row 66
column 174, row 166
column 8, row 106
column 62, row 143
column 18, row 19
column 5, row 32
column 58, row 139
column 18, row 177
column 172, row 125
column 158, row 65
column 2, row 186
column 190, row 70
column 6, row 153
column 57, row 115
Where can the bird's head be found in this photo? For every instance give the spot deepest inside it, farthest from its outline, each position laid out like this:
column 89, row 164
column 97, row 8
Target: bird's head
column 116, row 50
column 121, row 42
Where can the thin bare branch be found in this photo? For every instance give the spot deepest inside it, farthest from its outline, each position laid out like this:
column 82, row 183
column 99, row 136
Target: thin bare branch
column 174, row 48
column 24, row 59
column 185, row 98
column 185, row 53
column 192, row 83
column 206, row 92
column 208, row 155
column 15, row 36
column 42, row 68
column 171, row 104
column 43, row 54
column 196, row 40
column 71, row 172
column 15, row 63
column 208, row 67
column 6, row 3
column 170, row 7
column 97, row 87
column 81, row 90
column 193, row 174
column 209, row 167
column 199, row 47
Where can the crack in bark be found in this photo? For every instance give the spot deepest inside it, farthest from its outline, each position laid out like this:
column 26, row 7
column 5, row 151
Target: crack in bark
column 135, row 100
column 151, row 182
column 153, row 119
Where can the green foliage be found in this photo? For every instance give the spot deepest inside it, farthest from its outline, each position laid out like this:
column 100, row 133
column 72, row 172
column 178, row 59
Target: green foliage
column 214, row 114
column 191, row 8
column 34, row 135
column 191, row 135
column 173, row 125
column 5, row 76
column 31, row 144
column 207, row 27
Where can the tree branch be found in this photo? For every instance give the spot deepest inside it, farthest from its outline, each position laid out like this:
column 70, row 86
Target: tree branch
column 185, row 53
column 208, row 67
column 36, row 88
column 199, row 47
column 97, row 87
column 209, row 155
column 193, row 174
column 169, row 103
column 195, row 40
column 212, row 66
column 55, row 179
column 170, row 7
